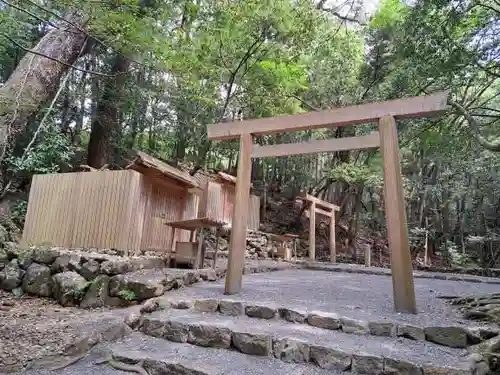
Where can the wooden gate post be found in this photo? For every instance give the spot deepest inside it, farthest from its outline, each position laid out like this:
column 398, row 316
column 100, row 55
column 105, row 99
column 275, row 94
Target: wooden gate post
column 238, row 242
column 312, row 231
column 333, row 250
column 397, row 230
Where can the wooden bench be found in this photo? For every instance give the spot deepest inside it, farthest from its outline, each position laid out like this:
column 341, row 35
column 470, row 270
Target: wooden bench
column 282, row 249
column 192, row 252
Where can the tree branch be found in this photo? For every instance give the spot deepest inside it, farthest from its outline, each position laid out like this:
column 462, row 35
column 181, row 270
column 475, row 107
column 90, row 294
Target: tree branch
column 30, row 14
column 475, row 128
column 333, row 12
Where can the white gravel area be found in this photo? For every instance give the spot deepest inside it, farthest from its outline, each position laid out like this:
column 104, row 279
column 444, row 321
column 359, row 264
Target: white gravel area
column 366, row 297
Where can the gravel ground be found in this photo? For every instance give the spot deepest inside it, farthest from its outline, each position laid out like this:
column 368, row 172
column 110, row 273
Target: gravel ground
column 33, row 328
column 418, row 352
column 367, row 297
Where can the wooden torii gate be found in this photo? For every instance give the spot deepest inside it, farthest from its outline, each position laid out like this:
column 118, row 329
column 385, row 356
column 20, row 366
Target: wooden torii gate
column 319, row 206
column 385, row 113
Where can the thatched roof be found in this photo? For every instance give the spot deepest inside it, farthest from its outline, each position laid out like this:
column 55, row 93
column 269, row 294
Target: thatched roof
column 155, row 168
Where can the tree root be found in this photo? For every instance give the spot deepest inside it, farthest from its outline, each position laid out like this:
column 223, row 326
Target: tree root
column 69, row 363
column 117, row 365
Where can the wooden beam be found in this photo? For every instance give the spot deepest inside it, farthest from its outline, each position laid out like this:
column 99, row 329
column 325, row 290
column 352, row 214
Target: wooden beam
column 397, row 230
column 418, row 106
column 325, row 213
column 312, row 231
column 319, row 202
column 333, row 249
column 236, row 259
column 324, row 145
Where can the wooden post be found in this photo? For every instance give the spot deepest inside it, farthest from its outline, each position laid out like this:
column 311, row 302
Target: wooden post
column 236, row 259
column 333, row 250
column 295, row 249
column 200, row 254
column 217, row 237
column 312, row 231
column 368, row 257
column 397, row 230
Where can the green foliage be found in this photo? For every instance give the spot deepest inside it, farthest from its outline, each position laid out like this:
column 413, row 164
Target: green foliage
column 127, row 295
column 353, row 174
column 49, row 155
column 79, row 293
column 390, row 13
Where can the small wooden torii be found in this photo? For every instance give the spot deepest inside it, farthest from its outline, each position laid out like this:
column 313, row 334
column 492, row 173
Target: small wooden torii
column 321, row 207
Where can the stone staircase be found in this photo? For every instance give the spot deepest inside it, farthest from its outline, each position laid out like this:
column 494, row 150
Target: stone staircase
column 176, row 336
column 209, row 337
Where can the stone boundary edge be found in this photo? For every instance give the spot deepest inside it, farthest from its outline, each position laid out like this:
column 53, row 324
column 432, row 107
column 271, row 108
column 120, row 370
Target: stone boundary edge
column 450, row 336
column 439, row 275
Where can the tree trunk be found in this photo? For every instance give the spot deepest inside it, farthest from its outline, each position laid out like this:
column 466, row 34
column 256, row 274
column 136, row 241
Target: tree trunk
column 105, row 129
column 36, row 78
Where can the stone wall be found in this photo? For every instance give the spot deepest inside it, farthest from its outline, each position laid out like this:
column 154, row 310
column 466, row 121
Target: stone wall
column 88, row 279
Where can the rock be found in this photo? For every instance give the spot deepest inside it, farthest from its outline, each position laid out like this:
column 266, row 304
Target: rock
column 11, row 276
column 292, row 316
column 61, row 264
column 68, row 287
column 188, row 277
column 254, row 344
column 382, row 329
column 25, row 258
column 478, row 364
column 291, row 350
column 233, row 308
column 90, row 269
column 153, row 327
column 208, row 274
column 4, row 234
column 169, row 283
column 357, row 327
column 45, row 255
column 181, row 305
column 97, row 294
column 324, row 320
column 454, row 337
column 206, row 305
column 367, row 364
column 140, row 285
column 18, row 292
column 177, row 332
column 262, row 312
column 75, row 263
column 151, row 305
column 410, row 332
column 208, row 335
column 12, row 249
column 191, row 277
column 4, row 257
column 329, row 358
column 133, row 320
column 429, row 370
column 399, row 367
column 116, row 266
column 38, row 280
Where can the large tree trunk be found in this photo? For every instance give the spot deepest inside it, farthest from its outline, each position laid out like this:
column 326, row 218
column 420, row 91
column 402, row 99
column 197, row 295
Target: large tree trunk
column 105, row 132
column 36, row 78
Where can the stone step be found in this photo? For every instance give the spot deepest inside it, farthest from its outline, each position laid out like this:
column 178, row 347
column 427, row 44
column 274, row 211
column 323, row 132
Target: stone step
column 301, row 343
column 451, row 336
column 161, row 357
column 170, row 358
